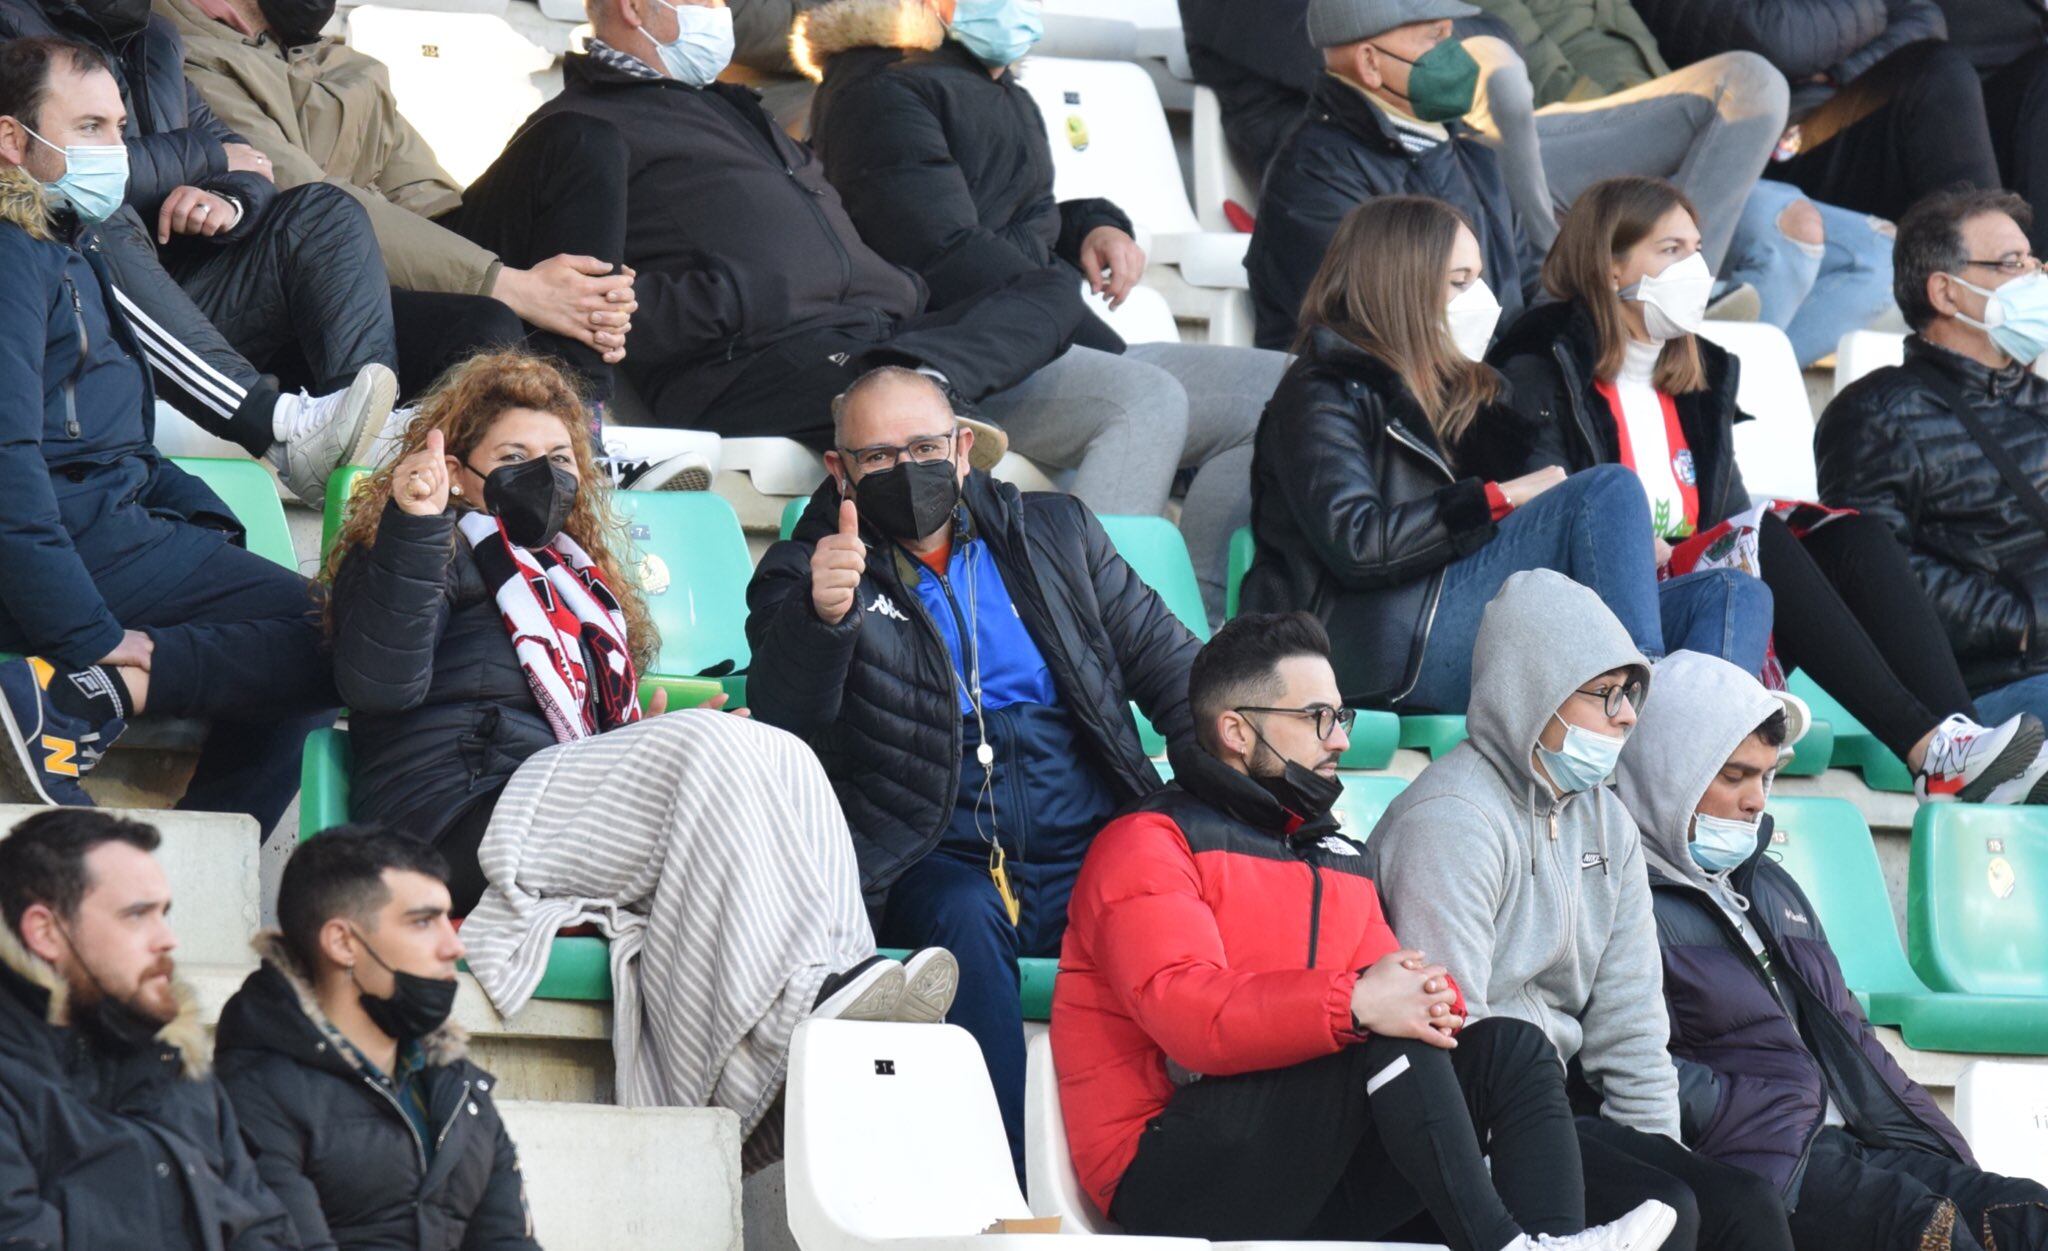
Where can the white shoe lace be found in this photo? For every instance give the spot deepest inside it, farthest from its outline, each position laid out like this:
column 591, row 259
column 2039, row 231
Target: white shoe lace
column 1949, row 751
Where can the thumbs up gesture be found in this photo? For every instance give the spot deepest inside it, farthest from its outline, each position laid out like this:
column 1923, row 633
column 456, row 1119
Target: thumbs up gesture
column 420, row 483
column 837, row 563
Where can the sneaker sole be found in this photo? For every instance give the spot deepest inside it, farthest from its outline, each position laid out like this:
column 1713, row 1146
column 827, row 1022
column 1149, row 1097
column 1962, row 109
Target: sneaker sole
column 1655, row 1231
column 691, row 477
column 878, row 998
column 2012, row 761
column 932, row 978
column 17, row 767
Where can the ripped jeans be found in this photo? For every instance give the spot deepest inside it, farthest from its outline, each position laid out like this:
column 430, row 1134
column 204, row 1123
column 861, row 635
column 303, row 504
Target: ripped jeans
column 1814, row 292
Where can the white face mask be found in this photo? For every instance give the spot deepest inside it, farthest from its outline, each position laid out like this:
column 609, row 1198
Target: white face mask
column 1473, row 313
column 1675, row 301
column 703, row 44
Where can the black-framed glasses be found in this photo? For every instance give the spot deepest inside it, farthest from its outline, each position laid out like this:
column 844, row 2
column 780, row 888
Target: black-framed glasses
column 2010, row 265
column 881, row 456
column 1612, row 695
column 1327, row 719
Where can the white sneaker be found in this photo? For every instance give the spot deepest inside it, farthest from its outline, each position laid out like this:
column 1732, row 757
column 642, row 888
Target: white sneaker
column 685, row 471
column 869, row 991
column 931, row 978
column 384, row 449
column 323, row 432
column 2030, row 787
column 1644, row 1229
column 1967, row 762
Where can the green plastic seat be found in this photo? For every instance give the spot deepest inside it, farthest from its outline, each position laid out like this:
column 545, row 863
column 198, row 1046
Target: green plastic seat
column 1814, row 754
column 1364, row 802
column 1981, row 1024
column 1153, row 548
column 1435, row 733
column 692, row 560
column 1374, row 736
column 1977, row 899
column 341, row 491
column 251, row 494
column 791, row 513
column 1853, row 745
column 1242, row 549
column 1827, row 848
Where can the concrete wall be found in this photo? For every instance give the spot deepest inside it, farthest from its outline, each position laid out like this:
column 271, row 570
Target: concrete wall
column 629, row 1179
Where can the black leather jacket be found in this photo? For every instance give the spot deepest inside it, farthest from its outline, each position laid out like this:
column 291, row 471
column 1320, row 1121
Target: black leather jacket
column 1889, row 446
column 1357, row 510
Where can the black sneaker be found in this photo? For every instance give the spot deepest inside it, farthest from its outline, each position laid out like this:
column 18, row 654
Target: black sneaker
column 869, row 991
column 46, row 752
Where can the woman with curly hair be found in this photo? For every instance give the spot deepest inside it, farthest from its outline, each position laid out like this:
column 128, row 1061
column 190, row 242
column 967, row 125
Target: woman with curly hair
column 488, row 639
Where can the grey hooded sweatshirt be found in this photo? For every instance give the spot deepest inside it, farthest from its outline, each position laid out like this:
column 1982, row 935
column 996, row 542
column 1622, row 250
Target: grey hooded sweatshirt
column 1538, row 903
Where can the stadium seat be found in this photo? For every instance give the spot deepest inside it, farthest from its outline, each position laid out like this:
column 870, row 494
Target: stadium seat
column 1865, row 351
column 894, row 1140
column 1364, row 801
column 1775, row 449
column 2002, row 1109
column 1035, row 976
column 1827, row 848
column 1219, row 179
column 1110, row 138
column 467, row 79
column 1242, row 549
column 249, row 491
column 693, row 564
column 1977, row 899
column 178, row 435
column 582, row 1200
column 1434, row 733
column 341, row 489
column 1153, row 548
column 1144, row 316
column 1852, row 745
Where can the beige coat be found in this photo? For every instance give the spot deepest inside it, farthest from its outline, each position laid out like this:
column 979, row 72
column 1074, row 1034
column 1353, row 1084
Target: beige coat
column 325, row 113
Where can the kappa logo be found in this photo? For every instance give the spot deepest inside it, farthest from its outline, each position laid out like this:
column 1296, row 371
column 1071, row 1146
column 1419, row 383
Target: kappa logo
column 887, row 607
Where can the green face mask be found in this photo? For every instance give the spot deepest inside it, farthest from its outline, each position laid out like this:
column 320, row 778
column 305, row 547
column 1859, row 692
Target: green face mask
column 1441, row 81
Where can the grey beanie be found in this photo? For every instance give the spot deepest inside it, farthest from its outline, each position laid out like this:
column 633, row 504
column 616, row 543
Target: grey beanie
column 1332, row 23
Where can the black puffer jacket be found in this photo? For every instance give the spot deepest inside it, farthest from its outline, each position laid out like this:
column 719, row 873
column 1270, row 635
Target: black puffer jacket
column 1838, row 38
column 874, row 695
column 1356, row 510
column 943, row 168
column 337, row 1150
column 1889, row 446
column 1256, row 56
column 1547, row 357
column 1345, row 153
column 174, row 140
column 118, row 1145
column 440, row 712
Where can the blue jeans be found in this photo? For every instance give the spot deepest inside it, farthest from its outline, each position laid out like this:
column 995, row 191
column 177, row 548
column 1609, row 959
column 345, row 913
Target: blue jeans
column 1814, row 292
column 2002, row 703
column 1594, row 528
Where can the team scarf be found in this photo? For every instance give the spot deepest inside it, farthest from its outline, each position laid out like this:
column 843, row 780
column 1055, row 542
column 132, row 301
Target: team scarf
column 1733, row 545
column 567, row 628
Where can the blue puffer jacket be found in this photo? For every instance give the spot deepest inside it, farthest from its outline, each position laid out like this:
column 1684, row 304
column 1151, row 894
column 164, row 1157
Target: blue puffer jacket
column 93, row 515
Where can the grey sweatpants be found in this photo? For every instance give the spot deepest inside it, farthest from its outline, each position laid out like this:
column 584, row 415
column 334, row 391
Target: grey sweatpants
column 1126, row 424
column 1709, row 128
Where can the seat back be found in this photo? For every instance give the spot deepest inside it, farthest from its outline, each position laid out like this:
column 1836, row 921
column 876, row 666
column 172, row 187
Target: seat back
column 1218, row 177
column 1154, row 550
column 1143, row 317
column 1977, row 898
column 892, row 1131
column 251, row 494
column 1827, row 848
column 341, row 491
column 2002, row 1109
column 323, row 782
column 1110, row 138
column 1048, row 1168
column 1242, row 549
column 1866, row 351
column 1365, row 800
column 693, row 565
column 1775, row 449
column 464, row 80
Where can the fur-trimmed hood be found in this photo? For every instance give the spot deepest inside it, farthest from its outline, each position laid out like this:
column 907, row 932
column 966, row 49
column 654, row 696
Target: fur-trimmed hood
column 258, row 1016
column 23, row 202
column 826, row 31
column 184, row 1034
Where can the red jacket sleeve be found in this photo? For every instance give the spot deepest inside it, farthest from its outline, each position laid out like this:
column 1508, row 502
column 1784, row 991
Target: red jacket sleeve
column 1158, row 948
column 1379, row 939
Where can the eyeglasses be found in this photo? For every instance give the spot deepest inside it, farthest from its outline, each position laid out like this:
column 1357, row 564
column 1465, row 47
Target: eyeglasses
column 2013, row 266
column 1612, row 695
column 1327, row 719
column 920, row 450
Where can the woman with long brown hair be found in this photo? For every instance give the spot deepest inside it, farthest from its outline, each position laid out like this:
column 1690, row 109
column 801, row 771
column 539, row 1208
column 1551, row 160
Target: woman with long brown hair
column 1615, row 374
column 488, row 639
column 1364, row 507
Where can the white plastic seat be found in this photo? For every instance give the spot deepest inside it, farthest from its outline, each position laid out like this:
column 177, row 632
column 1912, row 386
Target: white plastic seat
column 894, row 1141
column 1775, row 450
column 2002, row 1109
column 1218, row 176
column 1145, row 317
column 1866, row 351
column 464, row 80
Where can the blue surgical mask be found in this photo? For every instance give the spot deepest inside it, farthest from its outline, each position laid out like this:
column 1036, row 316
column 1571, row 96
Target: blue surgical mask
column 2015, row 315
column 1585, row 759
column 998, row 32
column 703, row 43
column 1719, row 844
column 95, row 178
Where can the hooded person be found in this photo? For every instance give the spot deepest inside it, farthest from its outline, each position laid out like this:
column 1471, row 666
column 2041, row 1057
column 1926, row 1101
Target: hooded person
column 1779, row 1071
column 1509, row 861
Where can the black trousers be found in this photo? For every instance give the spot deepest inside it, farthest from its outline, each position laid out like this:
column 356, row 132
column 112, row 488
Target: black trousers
column 1862, row 1198
column 303, row 295
column 1913, row 123
column 1356, row 1145
column 239, row 643
column 458, row 846
column 1720, row 1207
column 558, row 187
column 1850, row 611
column 2016, row 101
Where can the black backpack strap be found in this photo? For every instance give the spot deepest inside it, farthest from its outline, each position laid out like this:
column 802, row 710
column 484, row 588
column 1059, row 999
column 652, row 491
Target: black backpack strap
column 2016, row 481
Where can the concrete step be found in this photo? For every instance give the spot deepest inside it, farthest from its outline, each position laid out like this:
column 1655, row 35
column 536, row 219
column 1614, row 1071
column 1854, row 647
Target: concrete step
column 211, row 861
column 583, row 1200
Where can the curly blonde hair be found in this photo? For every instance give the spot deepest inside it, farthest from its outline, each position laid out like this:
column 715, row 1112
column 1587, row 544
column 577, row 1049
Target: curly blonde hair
column 463, row 406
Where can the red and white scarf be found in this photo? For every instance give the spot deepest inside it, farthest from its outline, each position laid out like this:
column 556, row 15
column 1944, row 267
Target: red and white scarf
column 566, row 626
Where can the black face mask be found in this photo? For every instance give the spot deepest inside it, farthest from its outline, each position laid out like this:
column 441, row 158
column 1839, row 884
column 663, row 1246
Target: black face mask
column 1300, row 790
column 909, row 500
column 118, row 18
column 293, row 22
column 532, row 497
column 416, row 1007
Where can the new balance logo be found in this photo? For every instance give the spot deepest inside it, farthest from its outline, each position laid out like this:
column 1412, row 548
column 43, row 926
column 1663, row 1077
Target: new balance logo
column 887, row 607
column 62, row 758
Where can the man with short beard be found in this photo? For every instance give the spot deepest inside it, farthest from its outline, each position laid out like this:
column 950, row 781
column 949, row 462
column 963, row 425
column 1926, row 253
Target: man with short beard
column 113, row 1133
